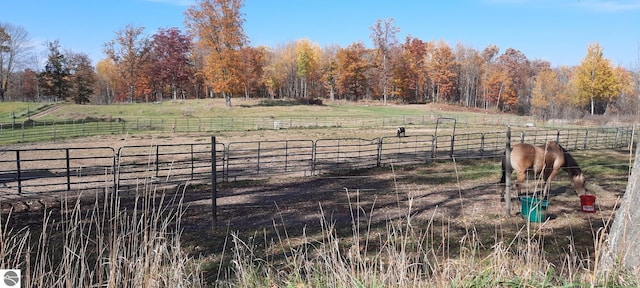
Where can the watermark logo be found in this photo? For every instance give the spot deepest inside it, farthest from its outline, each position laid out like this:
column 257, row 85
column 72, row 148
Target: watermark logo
column 9, row 278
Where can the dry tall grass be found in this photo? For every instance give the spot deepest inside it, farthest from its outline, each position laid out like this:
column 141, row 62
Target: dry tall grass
column 410, row 254
column 107, row 245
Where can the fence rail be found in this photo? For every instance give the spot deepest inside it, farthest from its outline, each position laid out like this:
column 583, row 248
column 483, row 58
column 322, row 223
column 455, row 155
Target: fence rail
column 29, row 171
column 47, row 130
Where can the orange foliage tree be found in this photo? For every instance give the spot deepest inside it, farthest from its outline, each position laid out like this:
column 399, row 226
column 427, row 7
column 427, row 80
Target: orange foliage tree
column 414, row 54
column 254, row 60
column 500, row 91
column 442, row 72
column 129, row 51
column 352, row 68
column 516, row 68
column 218, row 27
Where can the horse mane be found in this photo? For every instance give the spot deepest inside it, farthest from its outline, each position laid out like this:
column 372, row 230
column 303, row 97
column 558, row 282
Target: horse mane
column 570, row 165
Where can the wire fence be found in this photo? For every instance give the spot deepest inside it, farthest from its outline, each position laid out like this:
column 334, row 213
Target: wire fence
column 48, row 130
column 33, row 171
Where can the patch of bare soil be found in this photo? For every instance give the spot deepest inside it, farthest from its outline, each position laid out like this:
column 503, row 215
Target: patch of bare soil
column 427, row 194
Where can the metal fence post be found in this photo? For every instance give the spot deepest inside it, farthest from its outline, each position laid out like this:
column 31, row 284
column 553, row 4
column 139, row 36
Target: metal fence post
column 157, row 159
column 192, row 162
column 586, row 139
column 507, row 171
column 68, row 169
column 214, row 183
column 379, row 156
column 113, row 169
column 313, row 158
column 18, row 172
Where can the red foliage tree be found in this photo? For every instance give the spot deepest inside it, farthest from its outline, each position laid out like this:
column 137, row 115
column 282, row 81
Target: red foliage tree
column 170, row 50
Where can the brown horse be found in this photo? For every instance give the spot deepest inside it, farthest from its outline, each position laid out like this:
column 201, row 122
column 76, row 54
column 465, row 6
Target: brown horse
column 546, row 159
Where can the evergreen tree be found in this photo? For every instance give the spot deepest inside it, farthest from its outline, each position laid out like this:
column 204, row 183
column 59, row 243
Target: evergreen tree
column 55, row 78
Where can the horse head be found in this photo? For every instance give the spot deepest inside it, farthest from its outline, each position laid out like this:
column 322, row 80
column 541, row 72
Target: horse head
column 578, row 183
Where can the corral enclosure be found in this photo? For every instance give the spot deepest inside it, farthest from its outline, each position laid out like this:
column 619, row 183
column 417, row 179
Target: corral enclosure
column 44, row 170
column 293, row 177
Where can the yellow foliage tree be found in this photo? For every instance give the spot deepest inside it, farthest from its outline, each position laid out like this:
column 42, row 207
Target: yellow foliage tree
column 307, row 58
column 595, row 80
column 546, row 89
column 108, row 81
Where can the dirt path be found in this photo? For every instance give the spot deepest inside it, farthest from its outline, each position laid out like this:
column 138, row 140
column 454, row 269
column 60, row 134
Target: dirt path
column 45, row 112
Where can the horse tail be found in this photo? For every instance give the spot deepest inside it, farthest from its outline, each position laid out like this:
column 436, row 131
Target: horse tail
column 504, row 170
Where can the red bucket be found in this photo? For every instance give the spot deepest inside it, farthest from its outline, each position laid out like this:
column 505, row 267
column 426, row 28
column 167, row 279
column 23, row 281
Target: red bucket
column 587, row 203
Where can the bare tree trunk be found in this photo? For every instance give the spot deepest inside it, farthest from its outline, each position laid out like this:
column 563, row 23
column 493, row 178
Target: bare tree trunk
column 227, row 98
column 622, row 246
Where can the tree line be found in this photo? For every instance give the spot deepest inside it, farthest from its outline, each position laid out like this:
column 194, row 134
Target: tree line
column 214, row 58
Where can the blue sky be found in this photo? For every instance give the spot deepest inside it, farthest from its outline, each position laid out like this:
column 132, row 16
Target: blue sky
column 554, row 30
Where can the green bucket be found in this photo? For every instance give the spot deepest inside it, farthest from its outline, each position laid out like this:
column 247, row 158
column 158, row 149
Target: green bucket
column 534, row 209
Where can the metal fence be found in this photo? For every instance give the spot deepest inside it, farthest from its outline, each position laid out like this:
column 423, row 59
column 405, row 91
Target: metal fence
column 47, row 130
column 29, row 171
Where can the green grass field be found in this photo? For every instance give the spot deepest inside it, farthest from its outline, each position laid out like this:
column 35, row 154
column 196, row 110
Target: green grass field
column 206, row 108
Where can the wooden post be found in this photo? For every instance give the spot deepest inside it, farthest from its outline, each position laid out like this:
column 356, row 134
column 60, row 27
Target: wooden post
column 507, row 172
column 214, row 183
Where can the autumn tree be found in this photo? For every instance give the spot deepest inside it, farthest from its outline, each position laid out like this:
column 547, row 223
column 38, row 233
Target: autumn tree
column 106, row 81
column 280, row 71
column 55, row 78
column 628, row 101
column 470, row 72
column 254, row 60
column 352, row 68
column 595, row 81
column 442, row 71
column 415, row 54
column 218, row 27
column 171, row 52
column 30, row 88
column 129, row 51
column 518, row 71
column 488, row 56
column 197, row 79
column 14, row 44
column 307, row 54
column 500, row 91
column 546, row 92
column 329, row 69
column 399, row 75
column 383, row 35
column 82, row 77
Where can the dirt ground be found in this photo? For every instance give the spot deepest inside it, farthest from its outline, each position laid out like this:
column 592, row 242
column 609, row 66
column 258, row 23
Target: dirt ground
column 443, row 190
column 446, row 192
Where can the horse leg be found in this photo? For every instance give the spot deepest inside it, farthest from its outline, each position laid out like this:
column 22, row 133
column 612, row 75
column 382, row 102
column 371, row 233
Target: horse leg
column 503, row 179
column 547, row 184
column 522, row 175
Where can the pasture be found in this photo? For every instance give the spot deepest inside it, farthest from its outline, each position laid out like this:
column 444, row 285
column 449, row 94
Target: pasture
column 435, row 224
